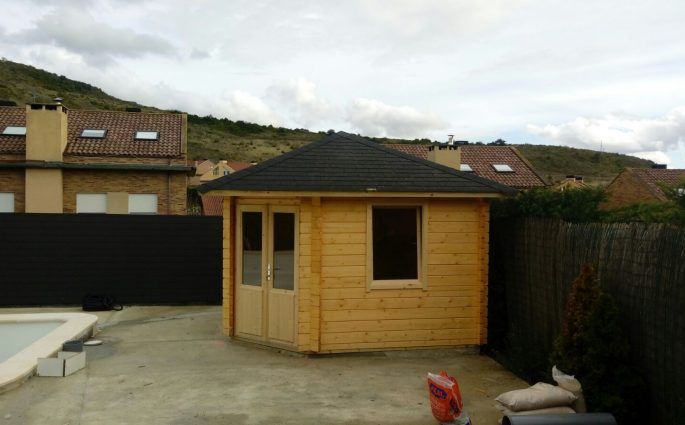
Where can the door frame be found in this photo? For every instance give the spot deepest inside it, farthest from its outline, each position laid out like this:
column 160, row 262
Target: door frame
column 267, row 211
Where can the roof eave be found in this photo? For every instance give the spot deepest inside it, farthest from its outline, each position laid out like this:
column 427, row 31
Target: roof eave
column 348, row 194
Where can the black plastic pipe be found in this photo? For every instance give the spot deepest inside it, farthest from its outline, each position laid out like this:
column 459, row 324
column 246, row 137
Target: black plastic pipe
column 571, row 419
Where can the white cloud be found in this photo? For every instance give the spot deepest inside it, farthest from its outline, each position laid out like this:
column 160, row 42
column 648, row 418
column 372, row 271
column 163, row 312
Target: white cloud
column 298, row 98
column 240, row 105
column 375, row 118
column 77, row 31
column 646, row 137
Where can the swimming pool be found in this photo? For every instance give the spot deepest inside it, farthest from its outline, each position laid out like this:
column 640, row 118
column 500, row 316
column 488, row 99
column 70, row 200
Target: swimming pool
column 26, row 337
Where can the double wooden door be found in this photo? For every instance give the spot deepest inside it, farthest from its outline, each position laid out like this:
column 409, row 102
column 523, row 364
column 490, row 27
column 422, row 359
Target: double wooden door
column 266, row 274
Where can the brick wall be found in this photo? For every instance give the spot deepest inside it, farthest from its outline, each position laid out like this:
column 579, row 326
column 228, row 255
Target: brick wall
column 102, row 181
column 626, row 190
column 12, row 180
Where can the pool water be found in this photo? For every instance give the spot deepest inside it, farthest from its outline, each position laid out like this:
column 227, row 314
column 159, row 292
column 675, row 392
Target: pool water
column 14, row 337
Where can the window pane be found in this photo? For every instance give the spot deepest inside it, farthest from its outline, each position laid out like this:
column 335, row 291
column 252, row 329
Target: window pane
column 14, row 131
column 94, row 203
column 284, row 251
column 252, row 248
column 6, row 202
column 395, row 238
column 93, row 133
column 147, row 135
column 145, row 203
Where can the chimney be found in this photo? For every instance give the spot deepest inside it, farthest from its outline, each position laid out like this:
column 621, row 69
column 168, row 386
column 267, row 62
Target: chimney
column 46, row 131
column 448, row 155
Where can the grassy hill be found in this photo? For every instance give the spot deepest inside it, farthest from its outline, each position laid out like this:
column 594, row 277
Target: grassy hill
column 221, row 138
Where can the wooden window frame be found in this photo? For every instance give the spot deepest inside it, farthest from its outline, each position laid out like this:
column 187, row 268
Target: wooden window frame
column 421, row 252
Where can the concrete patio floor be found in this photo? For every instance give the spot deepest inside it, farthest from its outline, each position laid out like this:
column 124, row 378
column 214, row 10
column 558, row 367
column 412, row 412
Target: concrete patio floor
column 171, row 365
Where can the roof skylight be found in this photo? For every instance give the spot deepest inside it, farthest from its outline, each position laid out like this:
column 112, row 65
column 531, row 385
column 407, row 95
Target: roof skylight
column 465, row 168
column 502, row 168
column 147, row 135
column 92, row 133
column 14, row 131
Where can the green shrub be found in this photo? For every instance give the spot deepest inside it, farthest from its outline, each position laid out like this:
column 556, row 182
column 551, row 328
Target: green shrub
column 592, row 347
column 574, row 205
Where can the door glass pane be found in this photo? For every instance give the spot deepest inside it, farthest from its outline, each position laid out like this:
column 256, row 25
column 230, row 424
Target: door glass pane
column 284, row 251
column 252, row 248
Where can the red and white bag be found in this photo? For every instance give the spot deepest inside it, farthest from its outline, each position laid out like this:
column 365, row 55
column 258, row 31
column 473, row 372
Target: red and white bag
column 445, row 397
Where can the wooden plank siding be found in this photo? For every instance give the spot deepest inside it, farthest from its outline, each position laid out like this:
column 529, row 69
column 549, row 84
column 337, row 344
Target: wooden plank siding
column 336, row 312
column 450, row 312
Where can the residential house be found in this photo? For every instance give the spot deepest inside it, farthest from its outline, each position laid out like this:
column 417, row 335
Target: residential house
column 347, row 245
column 502, row 164
column 571, row 182
column 200, row 166
column 57, row 160
column 223, row 168
column 634, row 185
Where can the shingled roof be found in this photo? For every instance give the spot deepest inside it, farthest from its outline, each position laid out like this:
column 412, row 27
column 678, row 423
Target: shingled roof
column 344, row 162
column 481, row 160
column 120, row 137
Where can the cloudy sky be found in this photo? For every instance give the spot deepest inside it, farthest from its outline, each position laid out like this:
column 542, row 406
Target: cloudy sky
column 607, row 73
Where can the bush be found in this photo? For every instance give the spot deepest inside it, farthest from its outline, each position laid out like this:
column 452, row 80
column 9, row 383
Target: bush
column 574, row 205
column 592, row 347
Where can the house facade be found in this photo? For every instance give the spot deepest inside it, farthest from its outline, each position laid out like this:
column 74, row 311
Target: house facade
column 635, row 185
column 346, row 245
column 502, row 164
column 56, row 160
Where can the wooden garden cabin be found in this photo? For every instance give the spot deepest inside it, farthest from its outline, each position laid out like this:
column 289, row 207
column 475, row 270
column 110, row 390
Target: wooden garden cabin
column 345, row 245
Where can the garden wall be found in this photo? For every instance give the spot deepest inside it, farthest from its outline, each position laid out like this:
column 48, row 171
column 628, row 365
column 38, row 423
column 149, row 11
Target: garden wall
column 56, row 259
column 532, row 265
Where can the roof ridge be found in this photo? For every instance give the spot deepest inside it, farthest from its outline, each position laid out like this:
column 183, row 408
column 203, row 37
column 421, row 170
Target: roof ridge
column 246, row 172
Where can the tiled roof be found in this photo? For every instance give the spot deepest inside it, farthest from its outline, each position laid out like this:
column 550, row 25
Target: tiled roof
column 343, row 162
column 119, row 140
column 481, row 158
column 212, row 205
column 12, row 116
column 653, row 177
column 237, row 165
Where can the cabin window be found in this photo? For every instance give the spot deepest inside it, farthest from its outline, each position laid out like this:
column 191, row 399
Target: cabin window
column 395, row 237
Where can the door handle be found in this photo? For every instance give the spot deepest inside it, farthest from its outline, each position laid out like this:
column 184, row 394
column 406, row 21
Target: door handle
column 268, row 272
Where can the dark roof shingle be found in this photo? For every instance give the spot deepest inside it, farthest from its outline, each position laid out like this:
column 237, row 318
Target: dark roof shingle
column 343, row 162
column 119, row 140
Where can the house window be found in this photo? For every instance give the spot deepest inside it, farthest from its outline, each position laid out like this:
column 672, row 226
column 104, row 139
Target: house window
column 502, row 168
column 142, row 203
column 396, row 239
column 92, row 133
column 147, row 135
column 6, row 202
column 226, row 173
column 14, row 131
column 91, row 203
column 466, row 168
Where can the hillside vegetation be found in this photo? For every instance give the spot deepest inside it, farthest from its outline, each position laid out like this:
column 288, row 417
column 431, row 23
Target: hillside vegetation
column 222, row 138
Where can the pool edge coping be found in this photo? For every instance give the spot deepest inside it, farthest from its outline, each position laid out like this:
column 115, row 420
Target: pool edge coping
column 22, row 365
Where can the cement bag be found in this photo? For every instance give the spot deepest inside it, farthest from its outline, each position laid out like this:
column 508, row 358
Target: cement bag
column 445, row 397
column 570, row 383
column 539, row 396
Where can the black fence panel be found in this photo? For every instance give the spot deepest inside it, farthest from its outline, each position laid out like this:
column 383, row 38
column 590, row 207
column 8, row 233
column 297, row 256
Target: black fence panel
column 56, row 259
column 532, row 265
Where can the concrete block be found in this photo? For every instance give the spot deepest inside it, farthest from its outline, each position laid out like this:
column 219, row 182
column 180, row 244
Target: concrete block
column 65, row 364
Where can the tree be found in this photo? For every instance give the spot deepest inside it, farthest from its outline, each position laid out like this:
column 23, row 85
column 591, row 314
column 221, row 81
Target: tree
column 592, row 347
